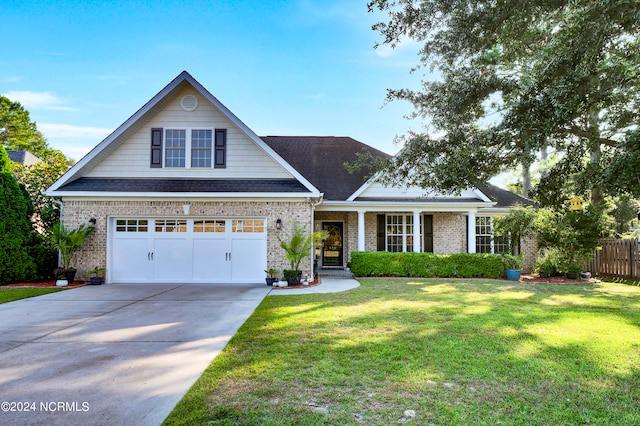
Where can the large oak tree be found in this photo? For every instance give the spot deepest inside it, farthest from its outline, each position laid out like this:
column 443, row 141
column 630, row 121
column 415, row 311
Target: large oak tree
column 515, row 78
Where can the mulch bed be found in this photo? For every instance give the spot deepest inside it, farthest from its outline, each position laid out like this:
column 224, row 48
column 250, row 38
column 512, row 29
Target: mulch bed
column 535, row 278
column 315, row 282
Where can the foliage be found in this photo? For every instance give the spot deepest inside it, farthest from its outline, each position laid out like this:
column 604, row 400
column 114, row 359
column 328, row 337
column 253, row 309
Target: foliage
column 517, row 224
column 512, row 261
column 17, row 131
column 44, row 256
column 15, row 228
column 457, row 352
column 37, row 178
column 549, row 260
column 575, row 234
column 271, row 272
column 299, row 245
column 67, row 240
column 514, row 78
column 97, row 271
column 408, row 264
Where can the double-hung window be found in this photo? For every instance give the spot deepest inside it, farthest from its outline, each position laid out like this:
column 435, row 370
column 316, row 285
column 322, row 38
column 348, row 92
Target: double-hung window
column 188, row 148
column 399, row 233
column 486, row 239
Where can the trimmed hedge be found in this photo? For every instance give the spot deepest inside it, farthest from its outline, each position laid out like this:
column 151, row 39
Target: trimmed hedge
column 463, row 265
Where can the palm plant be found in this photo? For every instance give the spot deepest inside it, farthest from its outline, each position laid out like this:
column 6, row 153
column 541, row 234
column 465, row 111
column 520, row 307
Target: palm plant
column 67, row 240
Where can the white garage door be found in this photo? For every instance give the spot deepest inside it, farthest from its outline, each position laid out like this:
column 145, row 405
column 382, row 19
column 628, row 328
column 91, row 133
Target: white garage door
column 188, row 250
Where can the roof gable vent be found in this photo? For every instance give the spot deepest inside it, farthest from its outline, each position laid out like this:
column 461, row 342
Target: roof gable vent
column 189, row 103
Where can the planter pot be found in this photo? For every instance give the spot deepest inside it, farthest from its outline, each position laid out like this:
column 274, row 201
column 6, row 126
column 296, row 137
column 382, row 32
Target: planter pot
column 71, row 275
column 62, row 283
column 585, row 275
column 96, row 280
column 545, row 274
column 271, row 281
column 513, row 274
column 281, row 283
column 572, row 275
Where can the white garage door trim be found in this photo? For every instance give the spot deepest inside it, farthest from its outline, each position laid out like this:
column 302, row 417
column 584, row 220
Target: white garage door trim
column 185, row 250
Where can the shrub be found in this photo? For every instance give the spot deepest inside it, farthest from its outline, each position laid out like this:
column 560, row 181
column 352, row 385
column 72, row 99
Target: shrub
column 463, row 265
column 15, row 228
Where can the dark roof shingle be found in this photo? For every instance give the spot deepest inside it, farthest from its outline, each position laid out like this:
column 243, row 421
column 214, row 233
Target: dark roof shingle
column 184, row 185
column 321, row 160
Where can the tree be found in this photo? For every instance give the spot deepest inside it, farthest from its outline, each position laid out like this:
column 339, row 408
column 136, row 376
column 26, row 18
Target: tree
column 515, row 78
column 15, row 228
column 18, row 132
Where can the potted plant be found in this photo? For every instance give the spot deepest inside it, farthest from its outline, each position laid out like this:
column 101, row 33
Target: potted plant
column 548, row 263
column 297, row 248
column 61, row 278
column 272, row 278
column 513, row 265
column 68, row 241
column 97, row 276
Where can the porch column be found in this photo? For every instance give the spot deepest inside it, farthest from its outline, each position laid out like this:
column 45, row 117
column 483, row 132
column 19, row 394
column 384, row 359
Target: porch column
column 416, row 232
column 471, row 231
column 361, row 230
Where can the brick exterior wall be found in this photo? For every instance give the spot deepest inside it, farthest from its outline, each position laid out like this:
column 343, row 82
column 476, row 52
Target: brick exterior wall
column 94, row 250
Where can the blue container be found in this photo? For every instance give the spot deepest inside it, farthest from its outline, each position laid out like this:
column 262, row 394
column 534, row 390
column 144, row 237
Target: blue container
column 513, row 274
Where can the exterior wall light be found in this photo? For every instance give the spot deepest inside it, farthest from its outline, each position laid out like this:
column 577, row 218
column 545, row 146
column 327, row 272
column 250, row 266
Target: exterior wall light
column 279, row 224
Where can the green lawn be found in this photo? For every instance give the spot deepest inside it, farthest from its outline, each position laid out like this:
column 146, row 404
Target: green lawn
column 10, row 294
column 454, row 352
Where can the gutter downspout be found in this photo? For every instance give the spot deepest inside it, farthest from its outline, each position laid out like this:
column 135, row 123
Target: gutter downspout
column 59, row 203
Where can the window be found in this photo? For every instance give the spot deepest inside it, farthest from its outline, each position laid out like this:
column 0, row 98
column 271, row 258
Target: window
column 399, row 233
column 201, row 148
column 486, row 241
column 247, row 225
column 209, row 226
column 188, row 148
column 131, row 225
column 175, row 145
column 171, row 225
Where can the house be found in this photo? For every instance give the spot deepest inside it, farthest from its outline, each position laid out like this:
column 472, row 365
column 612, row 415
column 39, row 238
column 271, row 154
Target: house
column 184, row 191
column 23, row 157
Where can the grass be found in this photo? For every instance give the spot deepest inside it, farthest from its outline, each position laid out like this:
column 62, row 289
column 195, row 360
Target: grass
column 11, row 294
column 454, row 352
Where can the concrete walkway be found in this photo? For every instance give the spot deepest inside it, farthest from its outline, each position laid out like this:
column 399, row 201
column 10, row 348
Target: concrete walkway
column 117, row 354
column 327, row 285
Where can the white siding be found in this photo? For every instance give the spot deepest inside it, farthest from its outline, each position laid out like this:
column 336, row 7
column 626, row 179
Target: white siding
column 244, row 158
column 377, row 190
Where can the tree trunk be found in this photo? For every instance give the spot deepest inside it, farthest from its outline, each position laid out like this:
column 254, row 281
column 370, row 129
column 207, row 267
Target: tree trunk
column 526, row 179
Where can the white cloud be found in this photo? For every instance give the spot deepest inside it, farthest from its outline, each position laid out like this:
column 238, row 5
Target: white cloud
column 52, row 130
column 38, row 100
column 11, row 79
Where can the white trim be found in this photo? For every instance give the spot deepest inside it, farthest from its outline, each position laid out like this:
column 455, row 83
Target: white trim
column 182, row 77
column 402, row 206
column 214, row 196
column 364, row 186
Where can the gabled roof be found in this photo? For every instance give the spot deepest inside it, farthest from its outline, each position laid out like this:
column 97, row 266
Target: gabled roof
column 150, row 109
column 321, row 159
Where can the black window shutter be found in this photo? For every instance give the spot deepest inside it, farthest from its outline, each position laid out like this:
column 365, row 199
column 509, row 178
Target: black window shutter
column 382, row 236
column 156, row 147
column 220, row 149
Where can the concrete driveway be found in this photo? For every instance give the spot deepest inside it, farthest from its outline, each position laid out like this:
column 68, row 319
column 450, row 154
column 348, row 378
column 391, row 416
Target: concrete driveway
column 116, row 354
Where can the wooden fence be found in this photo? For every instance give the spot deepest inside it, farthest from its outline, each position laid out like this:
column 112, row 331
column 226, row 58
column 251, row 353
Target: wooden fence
column 617, row 259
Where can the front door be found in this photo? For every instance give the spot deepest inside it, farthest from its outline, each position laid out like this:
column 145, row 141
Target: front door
column 332, row 254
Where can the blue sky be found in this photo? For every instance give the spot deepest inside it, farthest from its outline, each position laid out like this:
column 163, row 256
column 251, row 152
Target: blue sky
column 296, row 67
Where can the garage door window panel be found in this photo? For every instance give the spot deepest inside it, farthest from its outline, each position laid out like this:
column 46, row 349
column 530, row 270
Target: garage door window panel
column 171, row 225
column 218, row 226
